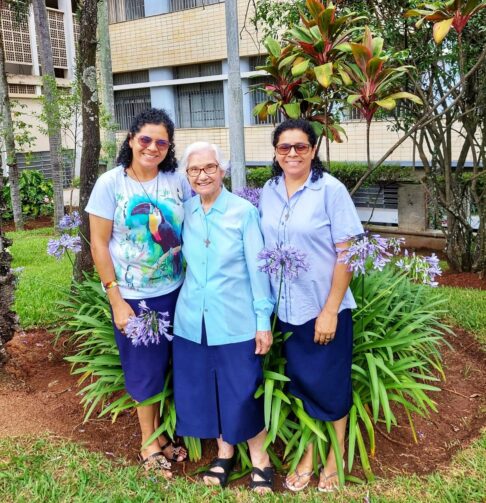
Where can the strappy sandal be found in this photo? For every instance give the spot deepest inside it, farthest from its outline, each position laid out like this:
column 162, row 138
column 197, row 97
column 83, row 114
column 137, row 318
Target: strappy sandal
column 295, row 488
column 334, row 487
column 227, row 464
column 267, row 475
column 156, row 463
column 176, row 452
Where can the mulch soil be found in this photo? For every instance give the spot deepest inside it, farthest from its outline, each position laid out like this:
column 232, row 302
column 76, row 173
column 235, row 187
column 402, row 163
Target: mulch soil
column 30, row 224
column 38, row 394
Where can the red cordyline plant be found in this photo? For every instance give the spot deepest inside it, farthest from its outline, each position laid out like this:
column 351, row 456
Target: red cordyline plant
column 446, row 15
column 373, row 81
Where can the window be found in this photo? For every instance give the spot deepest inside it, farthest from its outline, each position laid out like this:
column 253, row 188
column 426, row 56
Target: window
column 125, row 10
column 130, row 102
column 176, row 5
column 257, row 95
column 199, row 104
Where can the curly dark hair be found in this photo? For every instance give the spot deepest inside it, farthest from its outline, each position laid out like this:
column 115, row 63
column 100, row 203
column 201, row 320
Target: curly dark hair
column 150, row 116
column 305, row 126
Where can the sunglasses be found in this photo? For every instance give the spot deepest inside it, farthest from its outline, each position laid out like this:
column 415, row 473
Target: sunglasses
column 285, row 148
column 146, row 141
column 210, row 169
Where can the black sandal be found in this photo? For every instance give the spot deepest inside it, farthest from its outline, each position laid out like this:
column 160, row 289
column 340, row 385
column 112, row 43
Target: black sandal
column 227, row 464
column 176, row 452
column 267, row 475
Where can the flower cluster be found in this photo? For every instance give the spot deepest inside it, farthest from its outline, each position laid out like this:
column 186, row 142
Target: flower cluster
column 283, row 259
column 67, row 242
column 250, row 194
column 148, row 326
column 421, row 269
column 68, row 222
column 372, row 251
column 58, row 247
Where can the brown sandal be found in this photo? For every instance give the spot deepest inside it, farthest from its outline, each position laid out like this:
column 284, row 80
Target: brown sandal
column 176, row 452
column 156, row 463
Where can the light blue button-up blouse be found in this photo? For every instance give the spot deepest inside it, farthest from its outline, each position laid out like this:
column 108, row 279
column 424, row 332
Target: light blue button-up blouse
column 223, row 283
column 318, row 216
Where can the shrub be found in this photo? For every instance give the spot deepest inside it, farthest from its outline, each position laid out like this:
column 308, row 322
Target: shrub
column 347, row 172
column 36, row 194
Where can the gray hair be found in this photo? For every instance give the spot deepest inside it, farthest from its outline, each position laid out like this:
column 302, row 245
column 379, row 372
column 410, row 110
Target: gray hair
column 202, row 146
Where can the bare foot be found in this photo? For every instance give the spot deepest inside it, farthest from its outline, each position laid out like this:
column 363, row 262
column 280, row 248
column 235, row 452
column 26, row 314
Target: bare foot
column 172, row 452
column 154, row 462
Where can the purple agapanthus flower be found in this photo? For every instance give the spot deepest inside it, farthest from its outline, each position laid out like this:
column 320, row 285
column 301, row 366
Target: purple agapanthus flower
column 148, row 326
column 70, row 221
column 419, row 268
column 283, row 259
column 58, row 247
column 250, row 194
column 369, row 251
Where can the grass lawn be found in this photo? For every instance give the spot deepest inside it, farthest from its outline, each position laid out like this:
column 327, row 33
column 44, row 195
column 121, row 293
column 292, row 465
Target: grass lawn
column 42, row 280
column 51, row 470
column 48, row 469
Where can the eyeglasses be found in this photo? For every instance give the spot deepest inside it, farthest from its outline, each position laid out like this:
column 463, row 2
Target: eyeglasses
column 146, row 141
column 209, row 169
column 285, row 148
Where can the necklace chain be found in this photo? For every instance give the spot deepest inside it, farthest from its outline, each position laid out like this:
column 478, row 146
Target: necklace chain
column 143, row 188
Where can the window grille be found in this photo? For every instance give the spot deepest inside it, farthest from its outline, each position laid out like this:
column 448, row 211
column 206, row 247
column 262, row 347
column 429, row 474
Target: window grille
column 258, row 96
column 139, row 77
column 377, row 196
column 177, row 5
column 129, row 104
column 352, row 114
column 21, row 89
column 76, row 28
column 259, row 60
column 16, row 39
column 200, row 105
column 201, row 70
column 125, row 10
column 42, row 162
column 58, row 39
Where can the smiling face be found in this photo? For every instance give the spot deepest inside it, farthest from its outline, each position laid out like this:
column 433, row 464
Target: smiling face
column 295, row 166
column 208, row 186
column 147, row 158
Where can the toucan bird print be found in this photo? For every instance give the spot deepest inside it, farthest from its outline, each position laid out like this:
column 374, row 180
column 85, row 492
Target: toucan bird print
column 161, row 231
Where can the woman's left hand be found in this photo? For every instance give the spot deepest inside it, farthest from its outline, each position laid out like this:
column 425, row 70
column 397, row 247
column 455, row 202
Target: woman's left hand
column 325, row 329
column 263, row 341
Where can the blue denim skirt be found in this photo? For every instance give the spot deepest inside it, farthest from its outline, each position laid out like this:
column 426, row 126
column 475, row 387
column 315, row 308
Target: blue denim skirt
column 320, row 375
column 214, row 389
column 145, row 367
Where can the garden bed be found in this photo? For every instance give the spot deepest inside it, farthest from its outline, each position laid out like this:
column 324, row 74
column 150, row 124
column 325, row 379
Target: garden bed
column 38, row 394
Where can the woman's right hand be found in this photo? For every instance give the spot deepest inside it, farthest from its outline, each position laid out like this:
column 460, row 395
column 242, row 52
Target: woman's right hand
column 122, row 311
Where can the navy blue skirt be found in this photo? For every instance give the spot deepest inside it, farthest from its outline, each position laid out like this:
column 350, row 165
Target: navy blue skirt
column 320, row 375
column 214, row 389
column 145, row 367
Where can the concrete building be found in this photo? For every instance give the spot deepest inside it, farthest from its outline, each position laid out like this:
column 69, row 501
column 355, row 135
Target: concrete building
column 24, row 75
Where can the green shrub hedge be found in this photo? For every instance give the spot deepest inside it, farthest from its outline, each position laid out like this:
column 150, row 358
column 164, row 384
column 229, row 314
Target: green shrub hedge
column 36, row 194
column 347, row 172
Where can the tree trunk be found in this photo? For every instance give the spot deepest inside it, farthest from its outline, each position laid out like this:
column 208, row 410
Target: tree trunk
column 8, row 319
column 106, row 84
column 52, row 110
column 8, row 135
column 91, row 128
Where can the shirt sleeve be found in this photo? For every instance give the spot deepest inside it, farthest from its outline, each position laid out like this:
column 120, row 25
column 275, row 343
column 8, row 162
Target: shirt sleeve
column 259, row 281
column 345, row 222
column 186, row 188
column 102, row 201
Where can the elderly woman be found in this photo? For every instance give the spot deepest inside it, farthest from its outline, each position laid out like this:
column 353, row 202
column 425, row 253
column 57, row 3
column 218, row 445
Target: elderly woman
column 136, row 212
column 309, row 209
column 222, row 321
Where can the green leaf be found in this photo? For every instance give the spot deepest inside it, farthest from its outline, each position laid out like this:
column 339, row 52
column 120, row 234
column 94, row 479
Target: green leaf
column 300, row 68
column 272, row 46
column 293, row 110
column 387, row 103
column 324, row 74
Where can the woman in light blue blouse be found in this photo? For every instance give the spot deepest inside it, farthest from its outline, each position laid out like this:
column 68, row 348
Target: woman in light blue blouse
column 309, row 209
column 222, row 321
